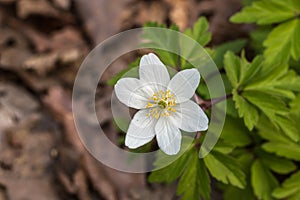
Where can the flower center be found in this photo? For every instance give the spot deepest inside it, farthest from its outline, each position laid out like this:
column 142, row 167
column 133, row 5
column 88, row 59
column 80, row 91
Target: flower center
column 161, row 104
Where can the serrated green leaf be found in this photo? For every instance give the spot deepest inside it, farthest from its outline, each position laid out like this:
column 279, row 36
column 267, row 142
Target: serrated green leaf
column 288, row 150
column 262, row 180
column 235, row 133
column 195, row 181
column 258, row 36
column 277, row 164
column 290, row 188
column 250, row 70
column 246, row 110
column 233, row 46
column 225, row 169
column 288, row 126
column 279, row 44
column 268, row 104
column 278, row 142
column 290, row 81
column 295, row 105
column 224, row 147
column 162, row 40
column 172, row 171
column 232, row 66
column 199, row 32
column 268, row 131
column 266, row 12
column 234, row 193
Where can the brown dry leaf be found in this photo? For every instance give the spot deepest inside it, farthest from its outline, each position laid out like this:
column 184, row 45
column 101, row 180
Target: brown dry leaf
column 62, row 4
column 26, row 8
column 108, row 182
column 101, row 19
column 36, row 189
column 66, row 38
column 183, row 13
column 28, row 158
column 220, row 11
column 12, row 101
column 13, row 49
column 41, row 64
column 13, row 58
column 139, row 12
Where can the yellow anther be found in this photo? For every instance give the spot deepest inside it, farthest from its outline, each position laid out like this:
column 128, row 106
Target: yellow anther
column 149, row 105
column 161, row 104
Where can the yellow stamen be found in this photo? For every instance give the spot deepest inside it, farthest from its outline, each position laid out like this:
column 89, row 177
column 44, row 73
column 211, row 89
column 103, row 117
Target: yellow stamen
column 161, row 104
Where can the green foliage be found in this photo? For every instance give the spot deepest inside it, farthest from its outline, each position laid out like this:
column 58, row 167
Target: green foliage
column 234, row 46
column 259, row 145
column 166, row 40
column 175, row 169
column 283, row 41
column 225, row 169
column 290, row 188
column 263, row 12
column 256, row 88
column 194, row 180
column 235, row 132
column 234, row 193
column 277, row 142
column 199, row 33
column 262, row 180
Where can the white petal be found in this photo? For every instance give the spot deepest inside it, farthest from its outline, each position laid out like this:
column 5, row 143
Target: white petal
column 190, row 117
column 141, row 130
column 184, row 84
column 168, row 136
column 153, row 70
column 133, row 93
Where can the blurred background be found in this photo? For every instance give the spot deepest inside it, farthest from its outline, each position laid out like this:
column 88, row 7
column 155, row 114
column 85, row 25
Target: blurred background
column 42, row 44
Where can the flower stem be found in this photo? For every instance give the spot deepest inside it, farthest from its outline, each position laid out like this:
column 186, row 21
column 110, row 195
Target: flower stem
column 207, row 104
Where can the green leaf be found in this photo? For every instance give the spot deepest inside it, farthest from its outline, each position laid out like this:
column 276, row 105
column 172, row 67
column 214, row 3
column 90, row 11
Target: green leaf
column 263, row 181
column 268, row 104
column 246, row 110
column 199, row 32
column 283, row 41
column 266, row 12
column 288, row 150
column 234, row 193
column 290, row 81
column 235, row 133
column 280, row 43
column 225, row 169
column 277, row 164
column 233, row 46
column 172, row 171
column 162, row 40
column 250, row 70
column 195, row 181
column 278, row 142
column 232, row 66
column 290, row 188
column 258, row 36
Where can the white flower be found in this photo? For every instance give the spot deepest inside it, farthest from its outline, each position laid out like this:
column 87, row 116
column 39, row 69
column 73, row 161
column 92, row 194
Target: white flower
column 165, row 105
